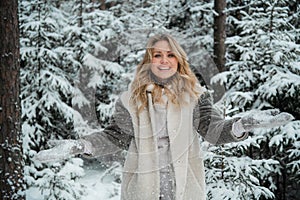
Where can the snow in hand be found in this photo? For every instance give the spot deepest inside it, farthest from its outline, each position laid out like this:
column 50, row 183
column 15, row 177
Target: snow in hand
column 62, row 149
column 265, row 119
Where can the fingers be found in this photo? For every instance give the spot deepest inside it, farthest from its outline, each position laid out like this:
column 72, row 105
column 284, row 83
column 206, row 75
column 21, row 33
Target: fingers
column 276, row 120
column 282, row 118
column 60, row 150
column 53, row 143
column 263, row 115
column 287, row 117
column 271, row 112
column 47, row 156
column 266, row 119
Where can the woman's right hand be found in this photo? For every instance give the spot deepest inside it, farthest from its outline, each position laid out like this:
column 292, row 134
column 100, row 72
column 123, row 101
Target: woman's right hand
column 60, row 150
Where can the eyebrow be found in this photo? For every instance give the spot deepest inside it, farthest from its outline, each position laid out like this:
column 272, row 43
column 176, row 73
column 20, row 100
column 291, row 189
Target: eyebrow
column 158, row 51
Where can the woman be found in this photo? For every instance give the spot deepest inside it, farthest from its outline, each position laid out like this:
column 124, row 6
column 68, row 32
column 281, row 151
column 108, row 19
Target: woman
column 157, row 121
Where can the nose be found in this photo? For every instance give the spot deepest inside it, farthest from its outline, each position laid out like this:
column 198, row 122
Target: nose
column 164, row 60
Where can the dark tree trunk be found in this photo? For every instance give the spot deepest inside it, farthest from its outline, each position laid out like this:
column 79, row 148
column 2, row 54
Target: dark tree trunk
column 219, row 35
column 102, row 5
column 80, row 20
column 11, row 179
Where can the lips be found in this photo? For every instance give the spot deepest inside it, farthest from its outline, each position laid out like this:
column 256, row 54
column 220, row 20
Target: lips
column 163, row 68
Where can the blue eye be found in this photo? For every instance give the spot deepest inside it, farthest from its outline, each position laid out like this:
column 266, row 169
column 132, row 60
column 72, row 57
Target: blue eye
column 157, row 55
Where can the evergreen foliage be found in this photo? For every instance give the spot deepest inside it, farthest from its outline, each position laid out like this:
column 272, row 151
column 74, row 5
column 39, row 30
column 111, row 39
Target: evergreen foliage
column 263, row 73
column 77, row 56
column 46, row 98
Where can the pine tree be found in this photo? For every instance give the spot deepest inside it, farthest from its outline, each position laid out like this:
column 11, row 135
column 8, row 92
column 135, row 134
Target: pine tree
column 264, row 73
column 46, row 99
column 75, row 58
column 89, row 34
column 198, row 41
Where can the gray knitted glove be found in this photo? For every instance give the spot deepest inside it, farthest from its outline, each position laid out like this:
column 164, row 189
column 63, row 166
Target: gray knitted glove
column 61, row 149
column 264, row 119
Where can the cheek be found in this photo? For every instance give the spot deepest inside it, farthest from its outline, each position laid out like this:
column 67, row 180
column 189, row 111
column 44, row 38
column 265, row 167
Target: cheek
column 175, row 64
column 154, row 60
column 153, row 68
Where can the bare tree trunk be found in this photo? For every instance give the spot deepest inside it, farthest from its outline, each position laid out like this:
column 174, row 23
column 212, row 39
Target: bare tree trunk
column 80, row 20
column 102, row 5
column 220, row 35
column 11, row 178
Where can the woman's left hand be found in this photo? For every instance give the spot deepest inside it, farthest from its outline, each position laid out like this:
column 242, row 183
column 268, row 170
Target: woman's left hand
column 265, row 119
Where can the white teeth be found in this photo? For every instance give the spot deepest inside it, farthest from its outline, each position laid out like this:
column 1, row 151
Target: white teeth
column 164, row 68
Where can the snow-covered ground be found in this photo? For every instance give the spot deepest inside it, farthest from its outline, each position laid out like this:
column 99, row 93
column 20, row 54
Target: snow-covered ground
column 95, row 188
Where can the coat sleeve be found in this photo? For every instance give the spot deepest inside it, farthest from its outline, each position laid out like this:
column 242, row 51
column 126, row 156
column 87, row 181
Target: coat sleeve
column 209, row 123
column 115, row 137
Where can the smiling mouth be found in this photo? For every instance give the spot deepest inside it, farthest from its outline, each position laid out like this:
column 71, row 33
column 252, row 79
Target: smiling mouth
column 164, row 68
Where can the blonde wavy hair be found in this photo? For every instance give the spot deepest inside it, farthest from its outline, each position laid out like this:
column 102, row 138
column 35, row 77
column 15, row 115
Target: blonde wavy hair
column 184, row 81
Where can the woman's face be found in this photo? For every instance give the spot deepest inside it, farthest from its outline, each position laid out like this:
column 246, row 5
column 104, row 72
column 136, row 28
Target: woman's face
column 164, row 62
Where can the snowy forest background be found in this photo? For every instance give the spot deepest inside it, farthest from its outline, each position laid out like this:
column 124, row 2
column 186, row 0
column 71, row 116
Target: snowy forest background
column 78, row 56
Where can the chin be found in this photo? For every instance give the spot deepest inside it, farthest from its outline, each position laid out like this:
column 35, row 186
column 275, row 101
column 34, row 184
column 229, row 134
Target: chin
column 164, row 77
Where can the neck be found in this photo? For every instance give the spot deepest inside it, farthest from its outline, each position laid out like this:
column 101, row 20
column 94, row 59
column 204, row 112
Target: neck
column 160, row 81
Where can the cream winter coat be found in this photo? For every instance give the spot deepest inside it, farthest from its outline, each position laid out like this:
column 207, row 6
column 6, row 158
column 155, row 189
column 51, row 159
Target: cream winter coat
column 133, row 132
